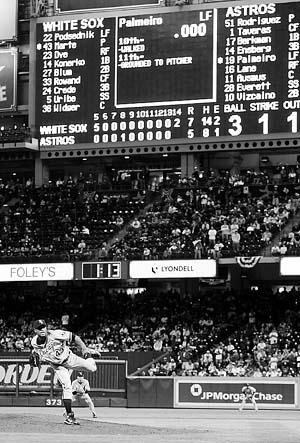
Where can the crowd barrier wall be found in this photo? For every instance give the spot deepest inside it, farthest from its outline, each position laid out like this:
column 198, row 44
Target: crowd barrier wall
column 210, row 392
column 18, row 378
column 19, row 382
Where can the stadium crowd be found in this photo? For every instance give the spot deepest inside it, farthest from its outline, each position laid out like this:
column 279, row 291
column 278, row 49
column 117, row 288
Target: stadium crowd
column 216, row 333
column 14, row 131
column 198, row 217
column 213, row 217
column 64, row 221
column 289, row 242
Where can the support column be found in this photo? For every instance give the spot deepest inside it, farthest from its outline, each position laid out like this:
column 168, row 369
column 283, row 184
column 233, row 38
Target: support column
column 188, row 163
column 41, row 172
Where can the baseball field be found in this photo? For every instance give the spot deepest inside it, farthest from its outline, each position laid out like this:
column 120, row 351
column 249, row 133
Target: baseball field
column 45, row 425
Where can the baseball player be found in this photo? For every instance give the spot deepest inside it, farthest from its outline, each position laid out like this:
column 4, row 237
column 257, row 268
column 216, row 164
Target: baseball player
column 248, row 393
column 52, row 346
column 81, row 388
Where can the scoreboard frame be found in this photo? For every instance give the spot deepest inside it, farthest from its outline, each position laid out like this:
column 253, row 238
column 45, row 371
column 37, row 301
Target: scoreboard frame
column 181, row 144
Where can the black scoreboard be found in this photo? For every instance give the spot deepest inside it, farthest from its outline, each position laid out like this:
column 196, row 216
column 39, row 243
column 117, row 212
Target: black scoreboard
column 101, row 271
column 189, row 75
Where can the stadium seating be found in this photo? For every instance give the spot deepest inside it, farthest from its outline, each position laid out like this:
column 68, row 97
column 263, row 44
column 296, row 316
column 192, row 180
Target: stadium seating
column 69, row 220
column 223, row 217
column 61, row 221
column 14, row 130
column 216, row 333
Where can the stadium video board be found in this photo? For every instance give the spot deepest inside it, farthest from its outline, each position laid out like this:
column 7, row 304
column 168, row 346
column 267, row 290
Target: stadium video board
column 8, row 20
column 8, row 79
column 186, row 75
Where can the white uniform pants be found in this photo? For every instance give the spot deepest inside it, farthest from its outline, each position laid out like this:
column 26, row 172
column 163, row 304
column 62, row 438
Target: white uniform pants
column 73, row 362
column 244, row 400
column 87, row 399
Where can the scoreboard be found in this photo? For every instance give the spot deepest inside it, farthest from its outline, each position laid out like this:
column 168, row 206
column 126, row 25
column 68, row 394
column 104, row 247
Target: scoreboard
column 170, row 76
column 101, row 271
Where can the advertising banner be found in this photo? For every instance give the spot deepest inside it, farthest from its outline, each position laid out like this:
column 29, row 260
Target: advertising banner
column 289, row 266
column 111, row 376
column 37, row 272
column 173, row 269
column 197, row 393
column 8, row 20
column 28, row 376
column 8, row 78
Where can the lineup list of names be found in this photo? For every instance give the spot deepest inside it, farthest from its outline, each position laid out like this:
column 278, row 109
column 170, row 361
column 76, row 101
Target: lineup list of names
column 261, row 68
column 152, row 78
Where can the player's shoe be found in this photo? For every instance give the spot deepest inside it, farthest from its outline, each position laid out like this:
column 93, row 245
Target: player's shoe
column 94, row 415
column 68, row 421
column 71, row 420
column 75, row 421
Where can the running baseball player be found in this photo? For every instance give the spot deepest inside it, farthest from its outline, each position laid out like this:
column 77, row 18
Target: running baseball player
column 52, row 346
column 81, row 388
column 248, row 393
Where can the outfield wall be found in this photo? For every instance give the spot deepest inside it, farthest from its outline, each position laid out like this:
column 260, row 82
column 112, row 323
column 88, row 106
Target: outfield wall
column 210, row 392
column 22, row 385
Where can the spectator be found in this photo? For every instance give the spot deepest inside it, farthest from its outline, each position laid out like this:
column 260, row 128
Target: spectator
column 236, row 237
column 212, row 236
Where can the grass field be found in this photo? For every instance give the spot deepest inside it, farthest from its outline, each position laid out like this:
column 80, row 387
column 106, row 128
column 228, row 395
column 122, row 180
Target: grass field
column 45, row 425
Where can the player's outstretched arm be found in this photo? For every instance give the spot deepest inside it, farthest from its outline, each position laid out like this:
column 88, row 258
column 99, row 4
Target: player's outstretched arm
column 86, row 352
column 82, row 346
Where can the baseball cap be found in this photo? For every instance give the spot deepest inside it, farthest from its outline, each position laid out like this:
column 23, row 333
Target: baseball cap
column 80, row 374
column 37, row 324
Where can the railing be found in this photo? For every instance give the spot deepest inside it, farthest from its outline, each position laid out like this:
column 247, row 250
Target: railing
column 141, row 370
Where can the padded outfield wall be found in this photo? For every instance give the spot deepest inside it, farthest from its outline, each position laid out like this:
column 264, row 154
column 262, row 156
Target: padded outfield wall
column 210, row 392
column 21, row 384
